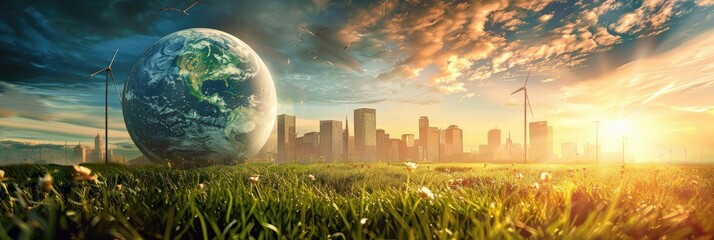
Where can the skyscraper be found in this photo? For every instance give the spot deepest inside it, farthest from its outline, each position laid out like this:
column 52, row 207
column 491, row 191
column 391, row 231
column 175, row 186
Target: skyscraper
column 381, row 145
column 410, row 151
column 423, row 130
column 98, row 153
column 310, row 146
column 346, row 141
column 454, row 142
column 79, row 153
column 330, row 140
column 365, row 134
column 286, row 138
column 541, row 138
column 432, row 144
column 494, row 138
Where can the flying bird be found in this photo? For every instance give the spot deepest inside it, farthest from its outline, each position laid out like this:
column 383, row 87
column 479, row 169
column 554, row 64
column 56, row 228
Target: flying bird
column 289, row 61
column 328, row 62
column 313, row 57
column 312, row 33
column 184, row 11
column 348, row 45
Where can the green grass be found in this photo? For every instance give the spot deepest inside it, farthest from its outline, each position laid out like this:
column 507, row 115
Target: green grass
column 360, row 201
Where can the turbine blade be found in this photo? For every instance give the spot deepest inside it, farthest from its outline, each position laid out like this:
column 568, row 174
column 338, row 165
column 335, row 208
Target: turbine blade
column 528, row 100
column 95, row 73
column 115, row 87
column 527, row 77
column 115, row 55
column 520, row 89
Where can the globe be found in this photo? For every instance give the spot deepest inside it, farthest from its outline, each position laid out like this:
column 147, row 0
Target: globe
column 199, row 96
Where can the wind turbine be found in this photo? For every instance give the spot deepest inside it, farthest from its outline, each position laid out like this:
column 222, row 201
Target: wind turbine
column 526, row 106
column 108, row 72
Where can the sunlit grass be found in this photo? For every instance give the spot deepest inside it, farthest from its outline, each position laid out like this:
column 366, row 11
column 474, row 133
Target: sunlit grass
column 358, row 201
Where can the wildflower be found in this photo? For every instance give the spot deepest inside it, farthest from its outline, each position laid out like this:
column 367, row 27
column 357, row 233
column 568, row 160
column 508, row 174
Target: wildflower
column 363, row 221
column 2, row 175
column 201, row 186
column 545, row 177
column 311, row 177
column 46, row 182
column 519, row 176
column 425, row 193
column 119, row 187
column 83, row 173
column 536, row 186
column 254, row 179
column 410, row 166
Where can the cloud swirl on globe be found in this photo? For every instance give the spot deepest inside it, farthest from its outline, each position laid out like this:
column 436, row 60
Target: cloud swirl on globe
column 199, row 96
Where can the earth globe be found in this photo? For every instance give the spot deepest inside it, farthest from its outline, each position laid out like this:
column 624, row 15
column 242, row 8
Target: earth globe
column 198, row 97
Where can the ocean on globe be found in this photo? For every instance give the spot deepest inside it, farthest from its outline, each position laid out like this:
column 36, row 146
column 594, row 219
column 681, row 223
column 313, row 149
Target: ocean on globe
column 199, row 96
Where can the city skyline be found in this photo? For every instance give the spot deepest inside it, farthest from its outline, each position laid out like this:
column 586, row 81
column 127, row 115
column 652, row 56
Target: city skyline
column 642, row 67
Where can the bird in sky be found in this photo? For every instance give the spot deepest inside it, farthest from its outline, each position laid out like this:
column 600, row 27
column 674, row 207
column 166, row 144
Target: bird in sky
column 348, row 45
column 289, row 61
column 314, row 57
column 328, row 62
column 184, row 11
column 312, row 33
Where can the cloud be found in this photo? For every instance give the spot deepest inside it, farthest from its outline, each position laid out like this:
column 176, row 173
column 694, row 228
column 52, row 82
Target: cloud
column 545, row 17
column 547, row 80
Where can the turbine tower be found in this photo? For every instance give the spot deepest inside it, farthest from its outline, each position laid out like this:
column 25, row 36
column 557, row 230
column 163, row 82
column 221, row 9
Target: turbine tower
column 526, row 106
column 108, row 72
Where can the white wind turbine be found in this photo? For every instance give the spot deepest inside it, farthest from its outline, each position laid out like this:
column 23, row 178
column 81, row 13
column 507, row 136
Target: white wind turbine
column 526, row 106
column 108, row 71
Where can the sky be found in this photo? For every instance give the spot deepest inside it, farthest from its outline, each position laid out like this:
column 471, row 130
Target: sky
column 641, row 68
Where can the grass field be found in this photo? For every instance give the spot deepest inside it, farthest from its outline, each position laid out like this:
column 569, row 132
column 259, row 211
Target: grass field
column 360, row 201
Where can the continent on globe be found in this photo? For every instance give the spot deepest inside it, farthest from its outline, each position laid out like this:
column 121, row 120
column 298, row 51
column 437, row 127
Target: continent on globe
column 199, row 96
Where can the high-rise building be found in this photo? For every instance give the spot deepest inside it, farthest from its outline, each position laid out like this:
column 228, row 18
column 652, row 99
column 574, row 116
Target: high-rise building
column 330, row 140
column 541, row 139
column 569, row 152
column 98, row 152
column 365, row 134
column 423, row 130
column 381, row 145
column 310, row 147
column 79, row 153
column 454, row 142
column 286, row 138
column 393, row 150
column 432, row 144
column 346, row 141
column 494, row 137
column 409, row 150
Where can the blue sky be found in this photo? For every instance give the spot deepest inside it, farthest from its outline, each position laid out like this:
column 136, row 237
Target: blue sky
column 454, row 61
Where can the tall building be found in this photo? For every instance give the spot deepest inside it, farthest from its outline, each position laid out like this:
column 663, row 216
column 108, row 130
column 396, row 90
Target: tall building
column 346, row 141
column 98, row 152
column 569, row 152
column 432, row 144
column 79, row 153
column 393, row 150
column 454, row 142
column 365, row 134
column 286, row 138
column 330, row 140
column 310, row 147
column 409, row 150
column 423, row 130
column 541, row 138
column 494, row 137
column 381, row 145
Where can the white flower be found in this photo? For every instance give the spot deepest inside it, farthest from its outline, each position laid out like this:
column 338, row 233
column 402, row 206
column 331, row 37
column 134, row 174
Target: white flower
column 46, row 182
column 363, row 221
column 201, row 186
column 410, row 166
column 536, row 185
column 425, row 193
column 311, row 177
column 82, row 173
column 254, row 179
column 545, row 177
